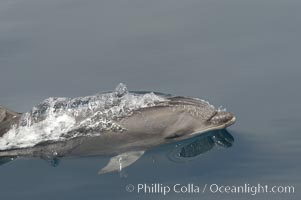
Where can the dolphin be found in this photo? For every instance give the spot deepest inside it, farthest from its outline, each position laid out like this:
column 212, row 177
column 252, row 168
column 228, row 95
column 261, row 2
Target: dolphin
column 121, row 124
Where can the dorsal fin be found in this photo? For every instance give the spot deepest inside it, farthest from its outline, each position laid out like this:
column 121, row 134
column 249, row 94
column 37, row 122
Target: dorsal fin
column 9, row 111
column 2, row 114
column 7, row 118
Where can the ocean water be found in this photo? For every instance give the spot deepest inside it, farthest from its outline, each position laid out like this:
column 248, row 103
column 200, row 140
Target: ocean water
column 244, row 55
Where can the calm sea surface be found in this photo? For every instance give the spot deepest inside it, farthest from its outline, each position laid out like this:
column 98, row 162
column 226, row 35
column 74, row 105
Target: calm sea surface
column 244, row 55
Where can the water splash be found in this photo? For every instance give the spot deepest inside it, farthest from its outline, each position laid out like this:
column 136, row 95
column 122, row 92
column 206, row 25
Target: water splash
column 221, row 109
column 121, row 90
column 57, row 119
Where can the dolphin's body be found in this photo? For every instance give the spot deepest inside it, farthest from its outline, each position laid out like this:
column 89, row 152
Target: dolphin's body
column 121, row 124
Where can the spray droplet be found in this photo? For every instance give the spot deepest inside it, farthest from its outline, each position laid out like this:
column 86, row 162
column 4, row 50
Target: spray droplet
column 121, row 90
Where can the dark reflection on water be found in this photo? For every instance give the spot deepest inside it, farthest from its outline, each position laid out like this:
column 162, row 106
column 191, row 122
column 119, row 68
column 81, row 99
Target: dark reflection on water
column 190, row 149
column 4, row 160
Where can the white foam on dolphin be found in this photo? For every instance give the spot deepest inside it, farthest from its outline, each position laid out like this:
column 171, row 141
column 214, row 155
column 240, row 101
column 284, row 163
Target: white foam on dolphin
column 57, row 119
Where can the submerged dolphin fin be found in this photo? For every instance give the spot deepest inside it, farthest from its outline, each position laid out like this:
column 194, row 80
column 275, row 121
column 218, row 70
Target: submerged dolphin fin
column 117, row 163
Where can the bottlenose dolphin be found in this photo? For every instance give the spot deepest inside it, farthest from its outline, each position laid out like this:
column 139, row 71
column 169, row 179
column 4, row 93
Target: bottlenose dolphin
column 121, row 123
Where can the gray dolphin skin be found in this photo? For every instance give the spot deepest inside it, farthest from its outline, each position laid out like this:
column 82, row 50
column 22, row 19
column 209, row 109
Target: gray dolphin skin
column 122, row 124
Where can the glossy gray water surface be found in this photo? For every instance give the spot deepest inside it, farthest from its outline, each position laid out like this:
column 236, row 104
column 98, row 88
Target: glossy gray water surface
column 244, row 55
